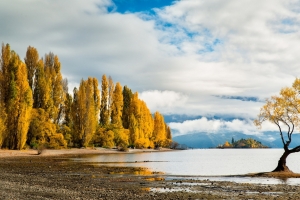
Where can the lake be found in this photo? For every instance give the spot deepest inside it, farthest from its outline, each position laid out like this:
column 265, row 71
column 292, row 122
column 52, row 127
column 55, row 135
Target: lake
column 203, row 162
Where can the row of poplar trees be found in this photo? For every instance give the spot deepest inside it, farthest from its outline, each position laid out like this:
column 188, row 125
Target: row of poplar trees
column 37, row 110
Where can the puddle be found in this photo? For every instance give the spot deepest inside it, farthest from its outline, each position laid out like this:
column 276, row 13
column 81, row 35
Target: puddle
column 250, row 180
column 165, row 190
column 270, row 193
column 191, row 184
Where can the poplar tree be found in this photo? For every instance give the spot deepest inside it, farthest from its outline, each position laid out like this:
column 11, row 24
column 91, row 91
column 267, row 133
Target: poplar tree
column 16, row 97
column 111, row 88
column 2, row 123
column 169, row 133
column 104, row 112
column 140, row 123
column 53, row 76
column 31, row 61
column 42, row 89
column 85, row 111
column 159, row 132
column 147, row 123
column 127, row 95
column 117, row 106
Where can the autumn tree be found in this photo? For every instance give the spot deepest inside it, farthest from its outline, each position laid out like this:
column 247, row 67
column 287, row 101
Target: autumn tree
column 16, row 98
column 168, row 141
column 127, row 95
column 104, row 137
column 85, row 113
column 42, row 132
column 227, row 145
column 159, row 132
column 42, row 89
column 121, row 137
column 117, row 106
column 2, row 123
column 67, row 124
column 146, row 126
column 111, row 88
column 140, row 123
column 35, row 106
column 31, row 61
column 104, row 107
column 283, row 111
column 52, row 67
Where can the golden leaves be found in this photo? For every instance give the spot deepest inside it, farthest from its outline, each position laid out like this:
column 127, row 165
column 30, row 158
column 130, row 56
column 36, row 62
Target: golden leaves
column 282, row 110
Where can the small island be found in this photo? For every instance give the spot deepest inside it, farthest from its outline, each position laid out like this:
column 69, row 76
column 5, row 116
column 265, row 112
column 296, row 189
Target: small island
column 242, row 143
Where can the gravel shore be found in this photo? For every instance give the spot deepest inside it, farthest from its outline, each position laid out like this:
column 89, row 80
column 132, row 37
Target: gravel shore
column 33, row 176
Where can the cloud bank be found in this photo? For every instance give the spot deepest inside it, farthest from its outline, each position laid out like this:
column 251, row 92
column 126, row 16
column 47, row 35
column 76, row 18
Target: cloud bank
column 214, row 126
column 183, row 58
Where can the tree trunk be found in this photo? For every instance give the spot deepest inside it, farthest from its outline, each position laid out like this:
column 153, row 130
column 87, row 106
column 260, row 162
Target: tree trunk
column 281, row 167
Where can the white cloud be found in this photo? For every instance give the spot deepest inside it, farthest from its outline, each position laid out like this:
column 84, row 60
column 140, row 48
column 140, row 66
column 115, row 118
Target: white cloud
column 198, row 125
column 204, row 125
column 211, row 48
column 163, row 101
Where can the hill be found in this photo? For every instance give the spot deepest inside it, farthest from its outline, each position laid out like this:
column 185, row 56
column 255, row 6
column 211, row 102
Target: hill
column 243, row 143
column 212, row 140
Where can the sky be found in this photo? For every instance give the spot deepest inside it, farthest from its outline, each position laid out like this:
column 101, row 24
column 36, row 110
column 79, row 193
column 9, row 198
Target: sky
column 211, row 62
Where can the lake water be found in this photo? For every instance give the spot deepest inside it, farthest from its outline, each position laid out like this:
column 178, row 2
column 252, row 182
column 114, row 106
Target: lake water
column 204, row 162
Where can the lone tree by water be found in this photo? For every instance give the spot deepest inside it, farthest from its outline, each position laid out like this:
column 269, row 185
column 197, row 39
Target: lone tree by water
column 284, row 112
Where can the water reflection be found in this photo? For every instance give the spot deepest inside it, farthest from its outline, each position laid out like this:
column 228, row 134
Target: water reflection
column 203, row 163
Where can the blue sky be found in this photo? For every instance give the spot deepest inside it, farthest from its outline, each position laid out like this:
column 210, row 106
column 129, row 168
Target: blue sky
column 214, row 62
column 132, row 6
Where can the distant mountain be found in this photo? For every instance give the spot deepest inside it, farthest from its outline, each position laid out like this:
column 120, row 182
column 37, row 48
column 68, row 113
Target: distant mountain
column 212, row 140
column 295, row 141
column 243, row 143
column 182, row 118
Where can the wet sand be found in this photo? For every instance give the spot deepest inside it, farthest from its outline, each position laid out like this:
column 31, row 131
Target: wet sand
column 52, row 175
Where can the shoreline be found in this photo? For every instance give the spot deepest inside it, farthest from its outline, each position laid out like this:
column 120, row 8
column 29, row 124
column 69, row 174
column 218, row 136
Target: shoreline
column 73, row 151
column 51, row 175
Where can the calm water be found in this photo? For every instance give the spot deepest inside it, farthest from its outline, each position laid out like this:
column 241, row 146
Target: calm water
column 203, row 162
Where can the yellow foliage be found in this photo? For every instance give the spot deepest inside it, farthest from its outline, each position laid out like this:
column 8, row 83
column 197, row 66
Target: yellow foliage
column 121, row 137
column 43, row 132
column 104, row 138
column 159, row 132
column 85, row 112
column 227, row 144
column 141, row 122
column 57, row 141
column 58, row 119
column 104, row 107
column 18, row 102
column 117, row 106
column 283, row 111
column 2, row 124
column 142, row 143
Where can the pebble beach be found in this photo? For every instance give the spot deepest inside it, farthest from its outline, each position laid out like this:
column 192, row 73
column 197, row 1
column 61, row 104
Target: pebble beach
column 51, row 175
